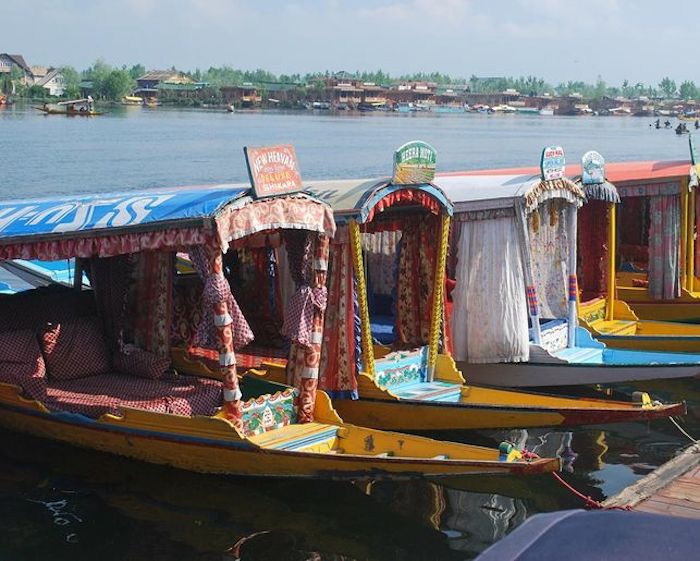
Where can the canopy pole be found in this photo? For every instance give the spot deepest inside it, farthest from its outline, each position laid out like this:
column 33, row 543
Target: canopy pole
column 684, row 230
column 533, row 306
column 438, row 298
column 612, row 271
column 78, row 274
column 365, row 327
column 690, row 267
column 572, row 320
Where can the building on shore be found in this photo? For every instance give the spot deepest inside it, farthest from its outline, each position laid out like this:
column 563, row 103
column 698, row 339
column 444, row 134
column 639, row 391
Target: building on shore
column 147, row 85
column 8, row 62
column 53, row 82
column 243, row 95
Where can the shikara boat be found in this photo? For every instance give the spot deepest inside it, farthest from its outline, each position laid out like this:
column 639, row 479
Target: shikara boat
column 518, row 313
column 394, row 354
column 75, row 107
column 93, row 368
column 608, row 318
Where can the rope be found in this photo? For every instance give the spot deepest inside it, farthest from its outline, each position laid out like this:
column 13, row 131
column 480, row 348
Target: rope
column 682, row 430
column 587, row 499
column 590, row 502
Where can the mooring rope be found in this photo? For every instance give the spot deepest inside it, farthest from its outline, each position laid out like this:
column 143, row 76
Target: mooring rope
column 683, row 431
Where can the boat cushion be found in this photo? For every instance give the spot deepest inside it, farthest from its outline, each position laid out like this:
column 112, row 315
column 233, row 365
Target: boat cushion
column 139, row 362
column 107, row 393
column 75, row 349
column 21, row 362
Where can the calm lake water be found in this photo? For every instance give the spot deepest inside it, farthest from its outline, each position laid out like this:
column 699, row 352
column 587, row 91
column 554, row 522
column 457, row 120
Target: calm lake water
column 64, row 503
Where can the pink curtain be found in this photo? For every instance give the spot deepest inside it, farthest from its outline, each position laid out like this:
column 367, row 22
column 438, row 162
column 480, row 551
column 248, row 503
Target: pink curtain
column 664, row 247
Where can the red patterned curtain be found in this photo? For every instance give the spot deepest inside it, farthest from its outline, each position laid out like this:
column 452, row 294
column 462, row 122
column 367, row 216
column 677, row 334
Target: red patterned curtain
column 340, row 349
column 415, row 281
column 151, row 301
column 110, row 278
column 304, row 318
column 593, row 220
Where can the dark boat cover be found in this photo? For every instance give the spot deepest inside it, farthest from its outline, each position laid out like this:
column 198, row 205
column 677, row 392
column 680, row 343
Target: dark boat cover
column 599, row 535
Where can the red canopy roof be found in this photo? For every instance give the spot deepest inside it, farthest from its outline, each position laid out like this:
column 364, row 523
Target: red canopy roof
column 616, row 172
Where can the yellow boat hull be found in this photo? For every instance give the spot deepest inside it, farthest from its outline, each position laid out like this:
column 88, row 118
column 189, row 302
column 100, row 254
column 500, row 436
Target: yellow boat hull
column 627, row 331
column 212, row 445
column 482, row 407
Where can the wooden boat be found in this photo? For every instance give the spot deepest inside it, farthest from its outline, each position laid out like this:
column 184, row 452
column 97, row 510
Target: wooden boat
column 553, row 350
column 116, row 392
column 76, row 107
column 132, row 100
column 409, row 383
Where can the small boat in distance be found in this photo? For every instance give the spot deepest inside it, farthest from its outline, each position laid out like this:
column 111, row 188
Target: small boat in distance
column 132, row 100
column 78, row 107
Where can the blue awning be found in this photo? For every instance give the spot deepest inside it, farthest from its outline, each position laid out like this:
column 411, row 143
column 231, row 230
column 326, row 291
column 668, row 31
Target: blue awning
column 62, row 216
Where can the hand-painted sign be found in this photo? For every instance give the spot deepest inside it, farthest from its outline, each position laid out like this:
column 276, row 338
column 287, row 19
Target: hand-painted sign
column 552, row 163
column 592, row 168
column 273, row 170
column 414, row 163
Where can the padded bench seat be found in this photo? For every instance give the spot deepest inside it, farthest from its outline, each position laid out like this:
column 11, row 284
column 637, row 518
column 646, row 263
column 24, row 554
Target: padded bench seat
column 107, row 393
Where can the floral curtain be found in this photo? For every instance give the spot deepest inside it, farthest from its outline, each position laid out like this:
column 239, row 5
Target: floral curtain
column 593, row 221
column 304, row 317
column 151, row 301
column 549, row 255
column 664, row 247
column 380, row 260
column 340, row 351
column 489, row 321
column 110, row 279
column 417, row 258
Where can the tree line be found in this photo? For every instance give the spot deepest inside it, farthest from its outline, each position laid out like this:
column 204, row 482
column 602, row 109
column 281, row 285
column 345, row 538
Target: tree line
column 112, row 83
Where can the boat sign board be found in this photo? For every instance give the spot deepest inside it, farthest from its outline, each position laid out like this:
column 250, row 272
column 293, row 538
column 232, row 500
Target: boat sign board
column 414, row 163
column 552, row 163
column 592, row 168
column 273, row 170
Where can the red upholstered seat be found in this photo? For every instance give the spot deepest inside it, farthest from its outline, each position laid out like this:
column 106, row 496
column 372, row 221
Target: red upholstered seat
column 106, row 393
column 21, row 362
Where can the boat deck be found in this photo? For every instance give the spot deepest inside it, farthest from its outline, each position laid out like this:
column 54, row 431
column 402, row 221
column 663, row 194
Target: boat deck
column 672, row 489
column 622, row 357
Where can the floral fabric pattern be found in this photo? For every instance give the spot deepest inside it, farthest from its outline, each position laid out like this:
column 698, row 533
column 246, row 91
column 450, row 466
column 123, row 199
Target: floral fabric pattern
column 664, row 247
column 549, row 255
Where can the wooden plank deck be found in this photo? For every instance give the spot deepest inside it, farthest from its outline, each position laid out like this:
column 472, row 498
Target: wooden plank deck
column 672, row 489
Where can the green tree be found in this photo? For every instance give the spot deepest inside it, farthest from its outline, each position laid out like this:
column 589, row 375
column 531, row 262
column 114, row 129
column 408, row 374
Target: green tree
column 117, row 84
column 71, row 81
column 668, row 87
column 136, row 71
column 688, row 90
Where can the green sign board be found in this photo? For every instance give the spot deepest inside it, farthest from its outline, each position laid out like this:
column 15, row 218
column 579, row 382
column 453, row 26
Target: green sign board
column 414, row 163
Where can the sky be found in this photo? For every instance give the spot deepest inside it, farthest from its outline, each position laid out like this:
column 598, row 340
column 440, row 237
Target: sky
column 559, row 40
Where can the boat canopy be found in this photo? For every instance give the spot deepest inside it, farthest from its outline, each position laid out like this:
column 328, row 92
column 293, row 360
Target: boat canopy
column 117, row 223
column 476, row 193
column 360, row 199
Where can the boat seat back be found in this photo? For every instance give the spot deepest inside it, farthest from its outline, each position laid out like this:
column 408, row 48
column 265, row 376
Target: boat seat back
column 593, row 311
column 269, row 412
column 402, row 368
column 554, row 335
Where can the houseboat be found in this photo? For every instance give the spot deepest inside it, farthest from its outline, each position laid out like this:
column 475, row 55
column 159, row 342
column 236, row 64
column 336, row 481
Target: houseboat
column 515, row 319
column 95, row 368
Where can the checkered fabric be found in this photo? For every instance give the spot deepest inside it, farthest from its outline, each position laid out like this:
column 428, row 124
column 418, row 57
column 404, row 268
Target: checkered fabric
column 75, row 349
column 21, row 362
column 107, row 393
column 137, row 362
